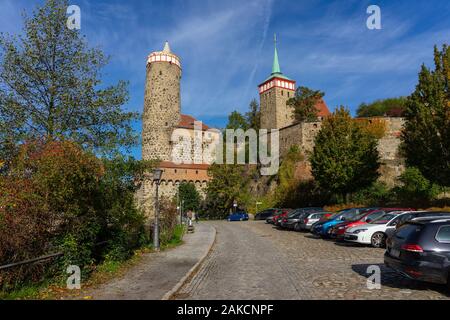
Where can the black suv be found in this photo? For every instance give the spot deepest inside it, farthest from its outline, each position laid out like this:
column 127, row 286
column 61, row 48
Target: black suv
column 420, row 250
column 416, row 215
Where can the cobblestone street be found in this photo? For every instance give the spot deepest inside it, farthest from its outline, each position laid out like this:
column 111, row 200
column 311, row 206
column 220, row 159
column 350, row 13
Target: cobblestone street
column 253, row 260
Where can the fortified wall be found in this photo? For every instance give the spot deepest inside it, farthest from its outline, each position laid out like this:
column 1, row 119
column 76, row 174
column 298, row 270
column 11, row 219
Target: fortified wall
column 303, row 135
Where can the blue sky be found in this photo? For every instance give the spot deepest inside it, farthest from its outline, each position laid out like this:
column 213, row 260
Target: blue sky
column 226, row 47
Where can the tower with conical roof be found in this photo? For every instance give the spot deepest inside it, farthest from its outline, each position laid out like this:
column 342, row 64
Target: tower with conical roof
column 162, row 105
column 274, row 93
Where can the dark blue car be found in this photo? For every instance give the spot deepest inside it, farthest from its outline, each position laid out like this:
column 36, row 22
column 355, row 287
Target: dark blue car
column 238, row 216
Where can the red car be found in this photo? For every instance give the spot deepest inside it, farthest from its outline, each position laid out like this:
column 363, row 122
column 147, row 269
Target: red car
column 338, row 231
column 276, row 219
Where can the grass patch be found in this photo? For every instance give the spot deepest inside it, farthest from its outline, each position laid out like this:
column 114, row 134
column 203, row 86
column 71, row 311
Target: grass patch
column 177, row 238
column 29, row 292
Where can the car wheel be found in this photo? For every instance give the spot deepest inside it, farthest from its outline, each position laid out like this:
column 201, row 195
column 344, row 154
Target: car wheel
column 378, row 240
column 297, row 227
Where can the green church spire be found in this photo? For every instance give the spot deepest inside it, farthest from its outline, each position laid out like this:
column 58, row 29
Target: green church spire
column 276, row 65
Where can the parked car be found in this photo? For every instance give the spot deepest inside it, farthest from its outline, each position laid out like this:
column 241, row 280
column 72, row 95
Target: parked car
column 292, row 219
column 316, row 226
column 374, row 232
column 322, row 228
column 295, row 216
column 238, row 216
column 338, row 231
column 281, row 213
column 420, row 250
column 310, row 219
column 263, row 215
column 412, row 216
column 277, row 212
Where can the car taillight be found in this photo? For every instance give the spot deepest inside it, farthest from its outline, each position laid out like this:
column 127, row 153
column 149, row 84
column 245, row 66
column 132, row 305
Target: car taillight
column 306, row 221
column 412, row 248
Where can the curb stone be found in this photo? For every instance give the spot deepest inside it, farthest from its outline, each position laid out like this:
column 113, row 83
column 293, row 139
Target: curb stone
column 169, row 295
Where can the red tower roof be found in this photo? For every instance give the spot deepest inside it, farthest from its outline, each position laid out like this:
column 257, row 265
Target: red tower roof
column 187, row 122
column 321, row 106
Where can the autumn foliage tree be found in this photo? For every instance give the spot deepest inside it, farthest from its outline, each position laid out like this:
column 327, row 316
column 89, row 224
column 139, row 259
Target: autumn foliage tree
column 304, row 104
column 57, row 197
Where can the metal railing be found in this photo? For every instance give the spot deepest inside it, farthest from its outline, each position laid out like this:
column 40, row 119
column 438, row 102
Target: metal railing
column 39, row 259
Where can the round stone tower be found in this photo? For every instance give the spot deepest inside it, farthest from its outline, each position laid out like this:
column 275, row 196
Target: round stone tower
column 162, row 104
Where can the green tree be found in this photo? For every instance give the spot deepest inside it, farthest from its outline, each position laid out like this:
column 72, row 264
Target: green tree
column 392, row 107
column 415, row 188
column 253, row 116
column 190, row 196
column 426, row 134
column 304, row 104
column 237, row 121
column 50, row 87
column 345, row 157
column 229, row 182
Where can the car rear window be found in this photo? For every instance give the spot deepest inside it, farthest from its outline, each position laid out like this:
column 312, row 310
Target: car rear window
column 383, row 219
column 407, row 231
column 443, row 234
column 374, row 215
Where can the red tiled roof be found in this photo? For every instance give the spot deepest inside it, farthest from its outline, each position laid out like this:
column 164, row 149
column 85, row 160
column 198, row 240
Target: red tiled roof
column 187, row 122
column 323, row 109
column 168, row 164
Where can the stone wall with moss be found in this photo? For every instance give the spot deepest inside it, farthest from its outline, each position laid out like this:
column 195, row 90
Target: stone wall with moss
column 392, row 163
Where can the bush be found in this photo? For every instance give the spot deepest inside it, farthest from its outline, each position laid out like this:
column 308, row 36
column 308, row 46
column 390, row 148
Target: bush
column 56, row 197
column 168, row 221
column 375, row 195
column 415, row 187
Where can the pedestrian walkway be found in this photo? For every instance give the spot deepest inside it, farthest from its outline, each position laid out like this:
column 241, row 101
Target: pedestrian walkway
column 158, row 273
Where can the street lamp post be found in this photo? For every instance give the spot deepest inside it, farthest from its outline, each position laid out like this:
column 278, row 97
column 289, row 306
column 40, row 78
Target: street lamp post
column 181, row 210
column 257, row 203
column 157, row 173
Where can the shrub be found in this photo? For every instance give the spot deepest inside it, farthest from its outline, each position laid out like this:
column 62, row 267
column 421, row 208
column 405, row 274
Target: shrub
column 57, row 198
column 375, row 195
column 415, row 187
column 168, row 220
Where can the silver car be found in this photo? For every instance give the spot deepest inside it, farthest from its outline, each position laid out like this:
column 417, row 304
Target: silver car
column 307, row 222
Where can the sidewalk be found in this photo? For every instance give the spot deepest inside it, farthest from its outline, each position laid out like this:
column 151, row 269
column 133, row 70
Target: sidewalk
column 159, row 273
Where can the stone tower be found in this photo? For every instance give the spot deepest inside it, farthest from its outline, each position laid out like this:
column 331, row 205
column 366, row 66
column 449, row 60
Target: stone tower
column 274, row 93
column 162, row 105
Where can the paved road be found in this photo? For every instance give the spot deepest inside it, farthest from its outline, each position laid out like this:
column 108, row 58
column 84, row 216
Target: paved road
column 253, row 260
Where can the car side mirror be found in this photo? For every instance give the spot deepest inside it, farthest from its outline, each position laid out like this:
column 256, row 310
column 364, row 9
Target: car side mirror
column 368, row 220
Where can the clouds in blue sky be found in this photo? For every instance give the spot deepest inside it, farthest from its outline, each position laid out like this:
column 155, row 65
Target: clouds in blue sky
column 226, row 47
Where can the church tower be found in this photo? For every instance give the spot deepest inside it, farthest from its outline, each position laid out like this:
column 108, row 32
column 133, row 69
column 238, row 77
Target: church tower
column 274, row 93
column 162, row 109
